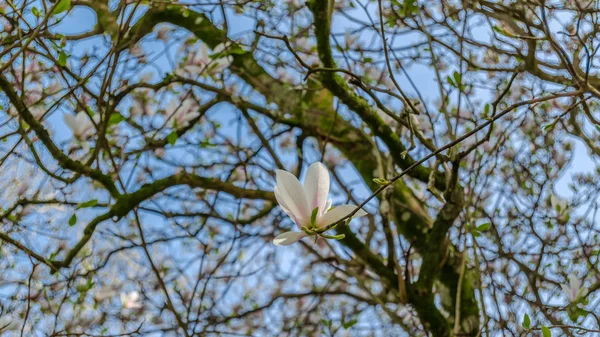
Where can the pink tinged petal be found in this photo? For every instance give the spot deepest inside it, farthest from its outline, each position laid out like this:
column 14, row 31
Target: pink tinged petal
column 338, row 213
column 70, row 121
column 572, row 290
column 37, row 111
column 316, row 186
column 288, row 238
column 204, row 52
column 575, row 287
column 171, row 107
column 292, row 195
column 569, row 292
column 193, row 69
column 574, row 282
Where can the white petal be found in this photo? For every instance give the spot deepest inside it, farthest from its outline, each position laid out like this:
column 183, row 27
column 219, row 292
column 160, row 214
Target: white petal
column 171, row 107
column 190, row 116
column 193, row 69
column 187, row 105
column 288, row 238
column 327, row 205
column 316, row 187
column 338, row 213
column 292, row 194
column 81, row 118
column 574, row 282
column 8, row 323
column 13, row 111
column 203, row 53
column 221, row 64
column 70, row 121
column 281, row 202
column 37, row 111
column 221, row 47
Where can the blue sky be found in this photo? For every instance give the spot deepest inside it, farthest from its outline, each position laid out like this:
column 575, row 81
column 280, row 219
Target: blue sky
column 80, row 20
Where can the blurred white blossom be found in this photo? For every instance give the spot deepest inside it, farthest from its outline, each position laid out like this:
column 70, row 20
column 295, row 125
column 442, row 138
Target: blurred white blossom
column 574, row 289
column 181, row 113
column 8, row 323
column 81, row 125
column 131, row 300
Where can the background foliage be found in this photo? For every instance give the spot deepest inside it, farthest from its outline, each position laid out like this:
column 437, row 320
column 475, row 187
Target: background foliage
column 140, row 141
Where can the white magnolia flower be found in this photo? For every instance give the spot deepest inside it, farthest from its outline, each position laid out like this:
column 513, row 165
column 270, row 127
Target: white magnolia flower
column 80, row 124
column 558, row 203
column 201, row 57
column 8, row 323
column 222, row 61
column 163, row 33
column 574, row 289
column 220, row 64
column 350, row 39
column 299, row 201
column 202, row 61
column 37, row 111
column 131, row 300
column 221, row 47
column 181, row 113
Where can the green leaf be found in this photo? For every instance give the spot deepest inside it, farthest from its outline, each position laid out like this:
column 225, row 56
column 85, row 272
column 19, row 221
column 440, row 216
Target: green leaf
column 35, row 12
column 90, row 203
column 115, row 119
column 350, row 324
column 457, row 78
column 235, row 50
column 573, row 313
column 484, row 227
column 526, row 321
column 380, row 181
column 548, row 127
column 486, row 111
column 62, row 6
column 313, row 217
column 172, row 137
column 73, row 220
column 62, row 58
column 450, row 81
column 546, row 332
column 499, row 30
